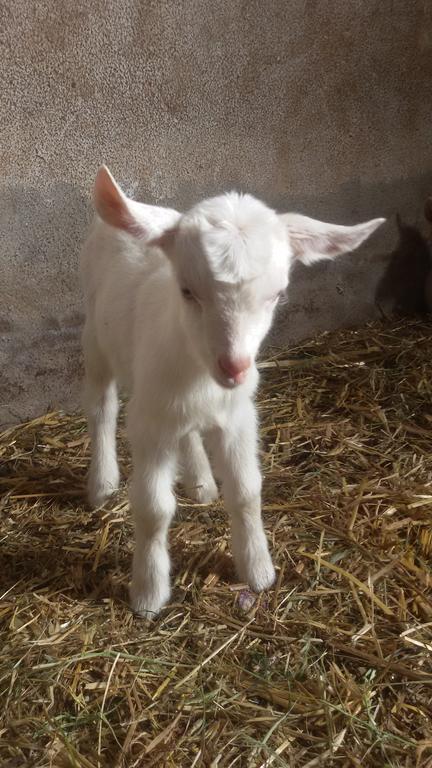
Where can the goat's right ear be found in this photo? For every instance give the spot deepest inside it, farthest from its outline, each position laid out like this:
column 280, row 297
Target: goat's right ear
column 313, row 240
column 112, row 205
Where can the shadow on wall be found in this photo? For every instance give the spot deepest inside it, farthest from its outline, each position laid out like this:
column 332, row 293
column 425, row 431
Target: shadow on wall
column 40, row 307
column 40, row 236
column 405, row 287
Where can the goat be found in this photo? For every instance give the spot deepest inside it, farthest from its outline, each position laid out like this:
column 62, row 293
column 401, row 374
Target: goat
column 176, row 309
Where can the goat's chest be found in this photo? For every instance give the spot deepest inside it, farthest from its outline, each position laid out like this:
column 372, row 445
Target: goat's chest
column 203, row 407
column 177, row 406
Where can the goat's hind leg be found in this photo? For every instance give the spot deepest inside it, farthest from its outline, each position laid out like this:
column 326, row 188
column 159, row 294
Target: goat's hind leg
column 101, row 407
column 196, row 473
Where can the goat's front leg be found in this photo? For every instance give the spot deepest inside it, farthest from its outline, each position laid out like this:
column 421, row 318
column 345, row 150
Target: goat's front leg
column 236, row 454
column 153, row 504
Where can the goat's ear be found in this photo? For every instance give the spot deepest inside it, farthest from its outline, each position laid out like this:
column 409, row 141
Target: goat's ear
column 165, row 240
column 112, row 205
column 313, row 240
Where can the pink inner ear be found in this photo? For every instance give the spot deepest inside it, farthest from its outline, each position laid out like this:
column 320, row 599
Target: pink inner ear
column 112, row 206
column 301, row 243
column 114, row 212
column 328, row 245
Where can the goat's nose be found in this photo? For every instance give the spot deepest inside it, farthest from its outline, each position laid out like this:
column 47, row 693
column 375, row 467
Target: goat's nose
column 235, row 368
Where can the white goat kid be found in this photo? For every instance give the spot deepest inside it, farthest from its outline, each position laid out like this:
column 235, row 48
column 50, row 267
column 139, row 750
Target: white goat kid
column 177, row 307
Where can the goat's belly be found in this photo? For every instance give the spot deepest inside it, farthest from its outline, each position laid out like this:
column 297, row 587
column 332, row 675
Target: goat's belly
column 113, row 340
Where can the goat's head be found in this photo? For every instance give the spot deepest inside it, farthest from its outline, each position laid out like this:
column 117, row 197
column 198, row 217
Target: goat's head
column 231, row 257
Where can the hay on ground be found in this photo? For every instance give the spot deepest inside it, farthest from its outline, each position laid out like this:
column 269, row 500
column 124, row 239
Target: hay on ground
column 330, row 668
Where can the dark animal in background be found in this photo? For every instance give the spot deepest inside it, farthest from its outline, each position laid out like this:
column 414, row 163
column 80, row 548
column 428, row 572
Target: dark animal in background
column 428, row 214
column 406, row 285
column 428, row 286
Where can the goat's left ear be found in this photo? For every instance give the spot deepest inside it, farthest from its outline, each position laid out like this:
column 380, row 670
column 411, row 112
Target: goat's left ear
column 313, row 240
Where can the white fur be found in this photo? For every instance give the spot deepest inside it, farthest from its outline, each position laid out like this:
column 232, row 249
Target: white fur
column 234, row 254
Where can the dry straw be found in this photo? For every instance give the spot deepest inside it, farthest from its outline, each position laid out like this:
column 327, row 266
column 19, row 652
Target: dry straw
column 330, row 668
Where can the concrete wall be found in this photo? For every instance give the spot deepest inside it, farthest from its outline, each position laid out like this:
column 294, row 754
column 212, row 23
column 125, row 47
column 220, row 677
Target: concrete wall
column 323, row 106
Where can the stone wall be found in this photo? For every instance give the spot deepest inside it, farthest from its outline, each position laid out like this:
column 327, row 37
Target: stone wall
column 321, row 106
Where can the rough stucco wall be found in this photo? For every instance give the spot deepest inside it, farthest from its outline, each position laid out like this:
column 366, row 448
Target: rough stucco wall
column 318, row 106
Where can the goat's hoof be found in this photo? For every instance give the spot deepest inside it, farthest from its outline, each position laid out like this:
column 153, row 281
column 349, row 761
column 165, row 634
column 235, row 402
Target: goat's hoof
column 145, row 605
column 100, row 489
column 264, row 579
column 260, row 574
column 205, row 493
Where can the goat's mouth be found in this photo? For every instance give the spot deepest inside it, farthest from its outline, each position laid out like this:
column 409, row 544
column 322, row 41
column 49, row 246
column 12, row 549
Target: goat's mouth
column 228, row 382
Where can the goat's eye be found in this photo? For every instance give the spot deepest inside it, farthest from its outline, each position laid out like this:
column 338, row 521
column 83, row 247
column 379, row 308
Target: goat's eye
column 187, row 294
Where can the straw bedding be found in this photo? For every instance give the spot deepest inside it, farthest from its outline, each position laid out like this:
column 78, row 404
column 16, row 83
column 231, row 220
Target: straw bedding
column 330, row 668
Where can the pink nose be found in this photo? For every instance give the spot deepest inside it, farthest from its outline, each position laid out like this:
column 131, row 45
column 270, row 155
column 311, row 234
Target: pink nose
column 235, row 368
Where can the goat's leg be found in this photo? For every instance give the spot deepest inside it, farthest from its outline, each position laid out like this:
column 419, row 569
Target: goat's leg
column 235, row 450
column 153, row 504
column 196, row 473
column 101, row 407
